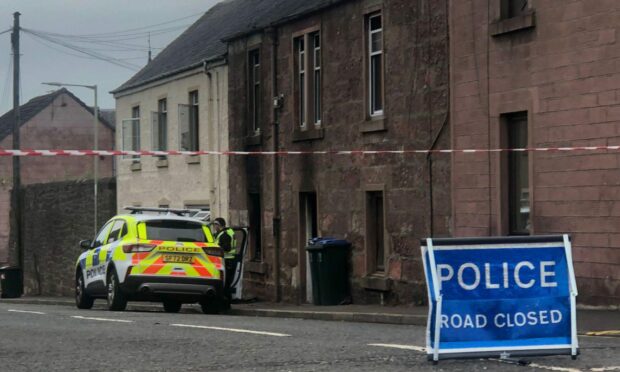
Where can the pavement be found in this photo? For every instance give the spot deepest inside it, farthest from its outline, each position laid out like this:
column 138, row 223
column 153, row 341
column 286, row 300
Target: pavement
column 590, row 321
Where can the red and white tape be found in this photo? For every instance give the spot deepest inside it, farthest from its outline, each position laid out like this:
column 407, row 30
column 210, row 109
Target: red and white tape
column 283, row 153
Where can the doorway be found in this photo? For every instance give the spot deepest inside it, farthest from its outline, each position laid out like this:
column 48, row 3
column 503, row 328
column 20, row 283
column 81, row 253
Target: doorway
column 308, row 223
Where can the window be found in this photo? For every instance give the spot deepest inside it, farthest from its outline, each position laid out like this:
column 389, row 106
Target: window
column 188, row 124
column 375, row 231
column 131, row 133
column 160, row 126
column 175, row 231
column 254, row 89
column 255, row 226
column 518, row 175
column 513, row 8
column 115, row 233
column 103, row 233
column 301, row 61
column 375, row 64
column 316, row 39
column 308, row 78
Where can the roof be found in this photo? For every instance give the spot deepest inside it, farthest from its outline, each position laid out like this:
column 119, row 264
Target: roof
column 159, row 217
column 205, row 39
column 33, row 107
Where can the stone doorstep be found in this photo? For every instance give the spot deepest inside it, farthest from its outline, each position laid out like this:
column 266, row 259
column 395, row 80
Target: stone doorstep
column 362, row 317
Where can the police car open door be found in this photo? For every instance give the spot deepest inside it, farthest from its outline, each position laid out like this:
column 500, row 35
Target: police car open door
column 236, row 284
column 500, row 297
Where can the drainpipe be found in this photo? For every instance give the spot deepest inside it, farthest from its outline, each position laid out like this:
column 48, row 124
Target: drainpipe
column 277, row 104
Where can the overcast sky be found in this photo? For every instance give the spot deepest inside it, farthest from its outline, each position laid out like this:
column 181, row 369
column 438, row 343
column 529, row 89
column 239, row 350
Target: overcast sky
column 44, row 61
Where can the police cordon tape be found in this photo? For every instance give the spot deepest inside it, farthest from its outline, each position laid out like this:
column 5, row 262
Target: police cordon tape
column 284, row 153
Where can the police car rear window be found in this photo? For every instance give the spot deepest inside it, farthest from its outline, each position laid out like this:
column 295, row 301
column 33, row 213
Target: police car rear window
column 176, row 231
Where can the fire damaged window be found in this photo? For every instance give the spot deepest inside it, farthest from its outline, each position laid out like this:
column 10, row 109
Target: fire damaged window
column 513, row 8
column 254, row 206
column 517, row 175
column 375, row 231
column 308, row 79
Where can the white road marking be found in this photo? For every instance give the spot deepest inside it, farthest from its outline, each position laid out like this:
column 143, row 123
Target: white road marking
column 404, row 347
column 103, row 319
column 603, row 369
column 232, row 330
column 26, row 312
column 554, row 368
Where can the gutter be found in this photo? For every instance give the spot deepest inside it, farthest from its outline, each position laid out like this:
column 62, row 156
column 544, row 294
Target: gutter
column 276, row 162
column 222, row 59
column 282, row 21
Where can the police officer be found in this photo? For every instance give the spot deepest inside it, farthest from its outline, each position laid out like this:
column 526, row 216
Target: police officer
column 225, row 238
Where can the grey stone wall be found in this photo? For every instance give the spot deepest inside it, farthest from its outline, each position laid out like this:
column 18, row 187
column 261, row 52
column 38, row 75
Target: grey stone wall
column 56, row 216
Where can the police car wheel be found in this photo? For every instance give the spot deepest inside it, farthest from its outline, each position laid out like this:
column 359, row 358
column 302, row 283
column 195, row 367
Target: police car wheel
column 82, row 300
column 210, row 306
column 116, row 298
column 172, row 306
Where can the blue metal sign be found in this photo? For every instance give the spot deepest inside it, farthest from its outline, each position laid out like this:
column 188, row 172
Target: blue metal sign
column 500, row 297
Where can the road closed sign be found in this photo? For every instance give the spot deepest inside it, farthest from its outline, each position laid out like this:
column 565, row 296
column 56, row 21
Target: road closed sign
column 500, row 297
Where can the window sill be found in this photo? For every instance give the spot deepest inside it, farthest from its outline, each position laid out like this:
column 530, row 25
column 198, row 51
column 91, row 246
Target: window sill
column 373, row 124
column 162, row 163
column 255, row 139
column 505, row 26
column 376, row 283
column 136, row 166
column 308, row 134
column 192, row 159
column 256, row 267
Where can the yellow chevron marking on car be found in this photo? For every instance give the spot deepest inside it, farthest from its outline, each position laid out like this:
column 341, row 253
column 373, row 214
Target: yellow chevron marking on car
column 89, row 260
column 118, row 254
column 209, row 267
column 102, row 255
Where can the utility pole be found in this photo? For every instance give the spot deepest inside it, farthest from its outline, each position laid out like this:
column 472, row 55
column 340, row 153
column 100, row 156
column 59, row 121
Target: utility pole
column 15, row 195
column 150, row 47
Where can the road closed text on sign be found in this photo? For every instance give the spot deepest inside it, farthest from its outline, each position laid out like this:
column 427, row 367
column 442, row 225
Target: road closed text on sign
column 500, row 296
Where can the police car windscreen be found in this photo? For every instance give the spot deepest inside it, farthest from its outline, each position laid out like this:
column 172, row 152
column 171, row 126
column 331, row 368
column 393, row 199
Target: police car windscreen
column 175, row 231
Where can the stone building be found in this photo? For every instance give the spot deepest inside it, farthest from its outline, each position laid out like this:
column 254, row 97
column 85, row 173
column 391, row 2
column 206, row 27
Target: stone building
column 539, row 74
column 58, row 120
column 340, row 75
column 178, row 101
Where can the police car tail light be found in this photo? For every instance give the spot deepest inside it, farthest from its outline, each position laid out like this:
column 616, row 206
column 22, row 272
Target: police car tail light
column 135, row 248
column 214, row 251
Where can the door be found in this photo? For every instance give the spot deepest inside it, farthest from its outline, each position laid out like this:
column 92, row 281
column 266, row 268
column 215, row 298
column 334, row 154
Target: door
column 236, row 285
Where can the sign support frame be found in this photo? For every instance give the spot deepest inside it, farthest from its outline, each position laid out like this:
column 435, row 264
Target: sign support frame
column 435, row 297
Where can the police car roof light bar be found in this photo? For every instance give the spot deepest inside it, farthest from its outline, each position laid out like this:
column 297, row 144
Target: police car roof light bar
column 179, row 212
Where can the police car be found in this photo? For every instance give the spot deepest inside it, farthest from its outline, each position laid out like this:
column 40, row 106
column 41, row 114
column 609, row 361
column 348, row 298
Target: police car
column 167, row 258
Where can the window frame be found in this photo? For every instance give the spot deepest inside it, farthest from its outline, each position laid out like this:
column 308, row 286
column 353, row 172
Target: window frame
column 254, row 90
column 160, row 142
column 308, row 79
column 515, row 125
column 120, row 231
column 104, row 230
column 134, row 140
column 194, row 119
column 372, row 110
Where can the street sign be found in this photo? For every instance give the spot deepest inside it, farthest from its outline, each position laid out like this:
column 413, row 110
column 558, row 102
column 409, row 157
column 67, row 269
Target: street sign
column 500, row 297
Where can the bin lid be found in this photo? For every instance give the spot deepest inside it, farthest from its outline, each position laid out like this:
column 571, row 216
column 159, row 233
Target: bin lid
column 322, row 243
column 8, row 268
